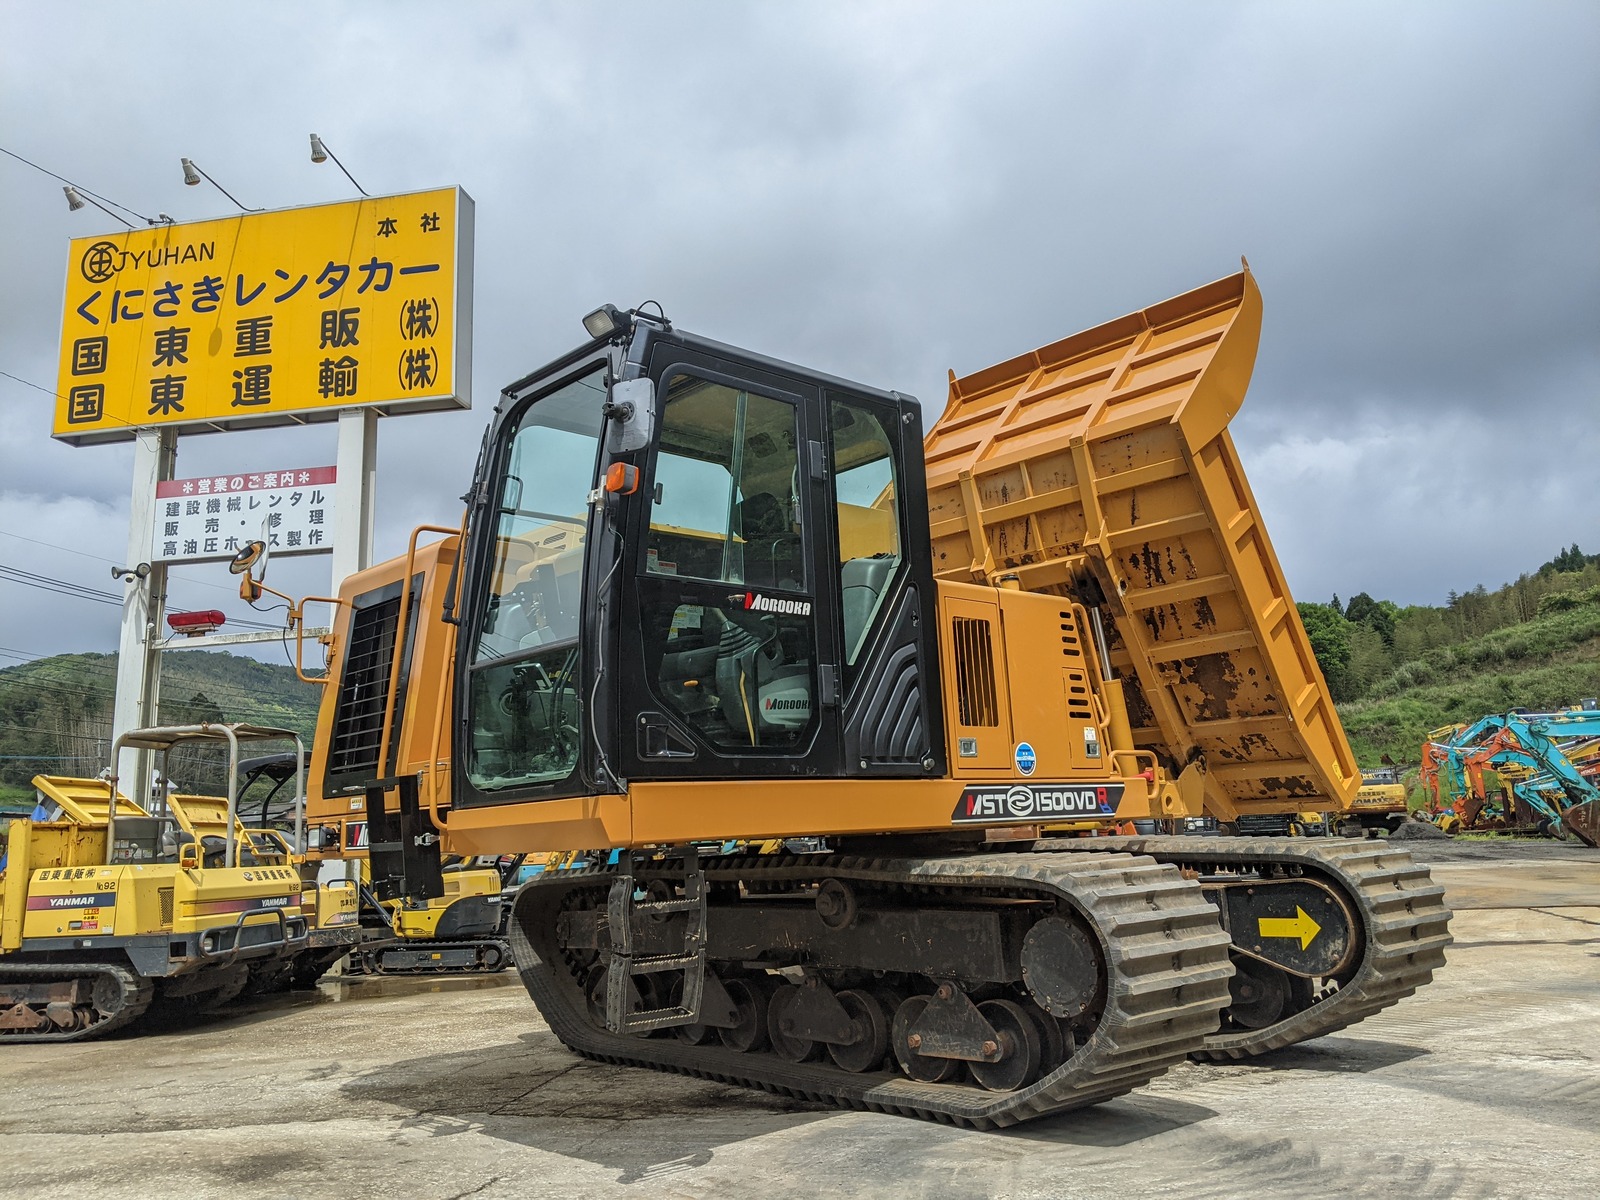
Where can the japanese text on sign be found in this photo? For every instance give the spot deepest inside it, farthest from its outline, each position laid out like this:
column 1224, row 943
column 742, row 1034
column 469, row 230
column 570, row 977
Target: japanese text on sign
column 215, row 516
column 269, row 318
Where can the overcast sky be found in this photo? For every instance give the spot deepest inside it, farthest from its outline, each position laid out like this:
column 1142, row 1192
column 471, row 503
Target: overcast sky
column 883, row 191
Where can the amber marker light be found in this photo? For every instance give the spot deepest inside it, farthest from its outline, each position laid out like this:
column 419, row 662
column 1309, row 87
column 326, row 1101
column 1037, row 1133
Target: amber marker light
column 621, row 479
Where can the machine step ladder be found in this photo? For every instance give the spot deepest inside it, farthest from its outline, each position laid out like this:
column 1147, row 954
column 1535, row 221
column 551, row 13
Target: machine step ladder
column 625, row 965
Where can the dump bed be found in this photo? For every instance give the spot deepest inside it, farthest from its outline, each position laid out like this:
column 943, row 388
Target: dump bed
column 1101, row 467
column 84, row 801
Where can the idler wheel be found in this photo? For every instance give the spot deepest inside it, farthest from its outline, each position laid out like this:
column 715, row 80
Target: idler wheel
column 107, row 995
column 1021, row 1047
column 924, row 1069
column 872, row 1030
column 750, row 998
column 1260, row 994
column 780, row 1025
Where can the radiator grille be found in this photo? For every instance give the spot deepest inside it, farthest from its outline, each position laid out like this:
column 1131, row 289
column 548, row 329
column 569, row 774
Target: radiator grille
column 164, row 900
column 358, row 723
column 975, row 696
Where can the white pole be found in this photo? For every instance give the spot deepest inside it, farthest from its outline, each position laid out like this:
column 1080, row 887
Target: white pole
column 155, row 454
column 357, row 465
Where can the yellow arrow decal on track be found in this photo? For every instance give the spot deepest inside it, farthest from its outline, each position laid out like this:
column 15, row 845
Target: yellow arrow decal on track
column 1299, row 926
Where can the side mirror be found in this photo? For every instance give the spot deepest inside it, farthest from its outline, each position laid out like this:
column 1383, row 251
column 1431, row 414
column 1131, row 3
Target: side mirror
column 250, row 563
column 632, row 413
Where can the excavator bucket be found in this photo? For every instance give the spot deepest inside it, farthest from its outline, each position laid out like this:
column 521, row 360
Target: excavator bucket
column 1101, row 467
column 1583, row 821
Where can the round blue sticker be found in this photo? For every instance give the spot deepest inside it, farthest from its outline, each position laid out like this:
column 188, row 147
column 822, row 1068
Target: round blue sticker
column 1026, row 759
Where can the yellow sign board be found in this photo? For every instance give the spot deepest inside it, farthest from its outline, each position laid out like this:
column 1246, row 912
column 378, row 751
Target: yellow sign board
column 269, row 318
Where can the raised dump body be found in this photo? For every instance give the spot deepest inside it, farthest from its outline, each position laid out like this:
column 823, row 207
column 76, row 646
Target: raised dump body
column 1101, row 467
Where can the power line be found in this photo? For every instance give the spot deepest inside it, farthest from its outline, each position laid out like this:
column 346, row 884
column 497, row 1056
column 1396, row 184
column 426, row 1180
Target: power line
column 79, row 186
column 110, row 562
column 80, row 591
column 36, row 387
column 60, row 587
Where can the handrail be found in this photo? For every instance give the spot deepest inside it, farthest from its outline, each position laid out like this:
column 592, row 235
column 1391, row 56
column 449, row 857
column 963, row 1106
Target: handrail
column 452, row 644
column 438, row 730
column 298, row 615
column 400, row 639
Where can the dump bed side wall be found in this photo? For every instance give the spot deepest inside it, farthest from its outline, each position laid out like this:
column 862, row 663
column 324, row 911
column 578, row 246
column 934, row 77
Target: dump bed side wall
column 1102, row 465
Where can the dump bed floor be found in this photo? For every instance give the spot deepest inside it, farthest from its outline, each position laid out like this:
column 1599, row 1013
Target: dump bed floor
column 1101, row 467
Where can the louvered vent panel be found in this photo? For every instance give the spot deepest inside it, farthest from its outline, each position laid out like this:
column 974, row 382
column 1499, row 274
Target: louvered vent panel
column 358, row 724
column 975, row 695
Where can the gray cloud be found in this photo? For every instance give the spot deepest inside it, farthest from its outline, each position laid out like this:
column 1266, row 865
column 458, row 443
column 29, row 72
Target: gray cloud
column 886, row 191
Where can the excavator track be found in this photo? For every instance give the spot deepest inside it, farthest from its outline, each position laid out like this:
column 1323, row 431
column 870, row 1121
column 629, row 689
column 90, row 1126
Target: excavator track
column 1404, row 923
column 485, row 956
column 89, row 1000
column 1164, row 982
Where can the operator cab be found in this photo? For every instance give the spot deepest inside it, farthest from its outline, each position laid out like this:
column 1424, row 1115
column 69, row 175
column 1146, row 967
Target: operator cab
column 685, row 560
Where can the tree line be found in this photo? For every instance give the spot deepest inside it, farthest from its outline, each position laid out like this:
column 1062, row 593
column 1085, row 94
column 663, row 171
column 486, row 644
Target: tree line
column 1369, row 648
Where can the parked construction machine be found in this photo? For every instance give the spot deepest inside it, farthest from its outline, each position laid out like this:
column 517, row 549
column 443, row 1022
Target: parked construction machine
column 1537, row 757
column 108, row 909
column 1380, row 804
column 454, row 933
column 704, row 596
column 459, row 931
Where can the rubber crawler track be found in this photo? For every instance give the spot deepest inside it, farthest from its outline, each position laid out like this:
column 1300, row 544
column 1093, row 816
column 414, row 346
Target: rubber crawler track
column 135, row 990
column 1406, row 926
column 497, row 944
column 1166, row 956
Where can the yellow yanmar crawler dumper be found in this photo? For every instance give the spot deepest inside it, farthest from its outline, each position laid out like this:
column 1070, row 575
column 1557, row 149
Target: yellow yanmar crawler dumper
column 705, row 597
column 108, row 910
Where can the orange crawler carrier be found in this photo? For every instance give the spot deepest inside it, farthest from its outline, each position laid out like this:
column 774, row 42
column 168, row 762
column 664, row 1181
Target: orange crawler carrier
column 703, row 598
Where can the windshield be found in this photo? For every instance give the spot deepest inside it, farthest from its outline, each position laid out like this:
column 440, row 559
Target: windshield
column 524, row 685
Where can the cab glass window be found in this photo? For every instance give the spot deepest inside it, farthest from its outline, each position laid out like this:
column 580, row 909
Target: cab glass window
column 523, row 693
column 866, row 494
column 726, row 504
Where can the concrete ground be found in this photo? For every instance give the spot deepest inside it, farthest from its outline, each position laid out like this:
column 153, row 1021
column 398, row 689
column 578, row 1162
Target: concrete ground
column 1487, row 1083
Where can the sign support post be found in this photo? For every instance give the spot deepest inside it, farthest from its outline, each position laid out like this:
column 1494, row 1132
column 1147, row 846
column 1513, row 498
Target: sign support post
column 155, row 454
column 357, row 466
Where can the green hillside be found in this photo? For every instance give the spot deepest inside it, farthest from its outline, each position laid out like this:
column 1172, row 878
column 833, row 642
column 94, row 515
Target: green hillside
column 1398, row 673
column 1544, row 664
column 55, row 713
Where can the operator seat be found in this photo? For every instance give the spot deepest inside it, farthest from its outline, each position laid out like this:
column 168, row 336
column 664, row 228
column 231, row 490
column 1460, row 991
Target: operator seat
column 771, row 547
column 862, row 581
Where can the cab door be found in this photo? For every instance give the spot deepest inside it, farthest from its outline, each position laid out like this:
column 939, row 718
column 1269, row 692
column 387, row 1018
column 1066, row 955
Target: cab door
column 728, row 634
